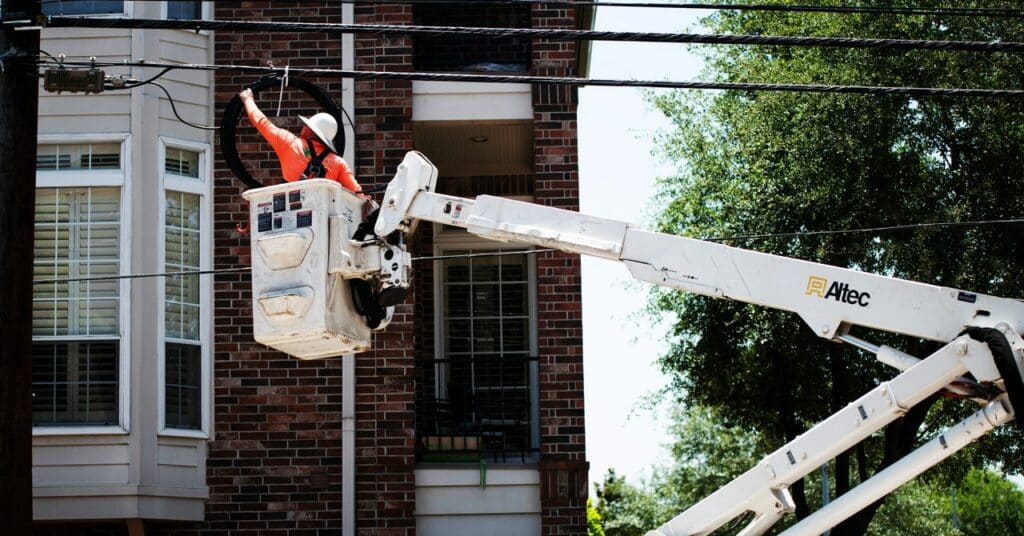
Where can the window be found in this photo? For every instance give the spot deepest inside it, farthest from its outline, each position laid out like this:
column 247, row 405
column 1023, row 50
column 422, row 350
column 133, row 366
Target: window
column 82, row 156
column 184, row 9
column 184, row 310
column 75, row 319
column 486, row 367
column 83, row 7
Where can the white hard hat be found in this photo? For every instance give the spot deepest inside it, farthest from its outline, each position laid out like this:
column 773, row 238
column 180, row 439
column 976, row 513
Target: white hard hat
column 324, row 126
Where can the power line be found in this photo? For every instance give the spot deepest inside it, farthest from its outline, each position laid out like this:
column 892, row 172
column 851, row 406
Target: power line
column 143, row 275
column 540, row 33
column 573, row 81
column 800, row 8
column 889, row 228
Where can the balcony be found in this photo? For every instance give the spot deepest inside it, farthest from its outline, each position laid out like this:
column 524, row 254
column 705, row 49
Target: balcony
column 487, row 412
column 458, row 53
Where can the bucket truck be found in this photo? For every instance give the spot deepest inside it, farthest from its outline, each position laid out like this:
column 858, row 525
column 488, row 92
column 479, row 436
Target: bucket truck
column 304, row 260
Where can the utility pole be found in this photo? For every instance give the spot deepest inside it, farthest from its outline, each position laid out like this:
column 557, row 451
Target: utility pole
column 19, row 105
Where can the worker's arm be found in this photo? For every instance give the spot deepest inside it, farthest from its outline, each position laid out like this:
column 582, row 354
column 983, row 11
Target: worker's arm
column 280, row 139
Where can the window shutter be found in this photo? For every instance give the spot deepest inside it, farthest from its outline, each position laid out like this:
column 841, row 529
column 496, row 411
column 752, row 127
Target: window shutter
column 77, row 234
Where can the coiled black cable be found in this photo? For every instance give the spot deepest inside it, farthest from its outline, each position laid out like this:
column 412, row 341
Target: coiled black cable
column 235, row 109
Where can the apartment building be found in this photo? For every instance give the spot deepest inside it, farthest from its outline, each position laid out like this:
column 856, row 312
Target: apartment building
column 157, row 413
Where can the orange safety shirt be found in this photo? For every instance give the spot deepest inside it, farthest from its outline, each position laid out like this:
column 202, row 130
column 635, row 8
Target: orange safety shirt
column 293, row 152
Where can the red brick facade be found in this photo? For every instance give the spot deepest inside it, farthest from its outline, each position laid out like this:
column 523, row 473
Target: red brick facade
column 559, row 295
column 385, row 379
column 274, row 464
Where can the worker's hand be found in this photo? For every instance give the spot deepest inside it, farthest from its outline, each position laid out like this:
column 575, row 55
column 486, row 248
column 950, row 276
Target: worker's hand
column 245, row 95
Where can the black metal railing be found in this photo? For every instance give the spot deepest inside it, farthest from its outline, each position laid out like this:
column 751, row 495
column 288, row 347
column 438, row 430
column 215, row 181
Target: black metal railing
column 474, row 53
column 485, row 411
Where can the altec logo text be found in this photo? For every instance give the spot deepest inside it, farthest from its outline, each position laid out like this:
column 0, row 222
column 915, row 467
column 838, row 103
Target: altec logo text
column 838, row 291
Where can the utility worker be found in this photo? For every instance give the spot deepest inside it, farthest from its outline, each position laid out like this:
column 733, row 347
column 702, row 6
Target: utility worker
column 309, row 155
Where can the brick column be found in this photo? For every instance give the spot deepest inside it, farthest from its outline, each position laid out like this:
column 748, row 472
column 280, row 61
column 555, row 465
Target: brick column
column 560, row 329
column 385, row 382
column 275, row 459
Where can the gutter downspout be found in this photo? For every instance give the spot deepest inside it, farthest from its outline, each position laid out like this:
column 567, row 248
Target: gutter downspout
column 348, row 445
column 348, row 380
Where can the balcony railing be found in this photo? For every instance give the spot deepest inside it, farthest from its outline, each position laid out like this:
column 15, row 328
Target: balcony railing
column 471, row 53
column 485, row 411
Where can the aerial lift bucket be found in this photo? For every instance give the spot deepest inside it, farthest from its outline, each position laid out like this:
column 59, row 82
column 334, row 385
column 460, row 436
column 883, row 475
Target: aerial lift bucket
column 300, row 306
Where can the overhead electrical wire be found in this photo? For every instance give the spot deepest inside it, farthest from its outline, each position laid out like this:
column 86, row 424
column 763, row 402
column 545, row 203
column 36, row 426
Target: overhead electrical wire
column 539, row 33
column 570, row 81
column 717, row 6
column 736, row 238
column 864, row 230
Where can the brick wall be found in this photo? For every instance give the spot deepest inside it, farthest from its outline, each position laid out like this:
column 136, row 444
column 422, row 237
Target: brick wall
column 275, row 459
column 560, row 329
column 385, row 379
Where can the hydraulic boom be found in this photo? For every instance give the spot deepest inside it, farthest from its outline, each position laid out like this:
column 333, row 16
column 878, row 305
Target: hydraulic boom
column 981, row 334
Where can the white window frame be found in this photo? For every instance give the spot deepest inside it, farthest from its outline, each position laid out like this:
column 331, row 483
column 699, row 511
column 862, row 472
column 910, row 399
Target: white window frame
column 83, row 178
column 127, row 10
column 203, row 187
column 458, row 239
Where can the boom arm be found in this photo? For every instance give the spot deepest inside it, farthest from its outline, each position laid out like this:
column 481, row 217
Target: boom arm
column 829, row 299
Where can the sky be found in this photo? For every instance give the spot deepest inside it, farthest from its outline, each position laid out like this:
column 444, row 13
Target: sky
column 617, row 178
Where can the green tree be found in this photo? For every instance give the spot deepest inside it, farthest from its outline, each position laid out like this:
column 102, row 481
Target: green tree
column 919, row 507
column 988, row 504
column 628, row 510
column 764, row 162
column 594, row 525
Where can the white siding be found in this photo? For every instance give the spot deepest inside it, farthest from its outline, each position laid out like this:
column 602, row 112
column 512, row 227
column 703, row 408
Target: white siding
column 180, row 465
column 191, row 89
column 467, row 101
column 74, row 114
column 452, row 501
column 142, row 472
column 70, row 464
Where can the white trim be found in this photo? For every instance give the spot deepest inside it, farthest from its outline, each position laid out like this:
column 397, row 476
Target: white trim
column 202, row 187
column 79, row 430
column 82, row 178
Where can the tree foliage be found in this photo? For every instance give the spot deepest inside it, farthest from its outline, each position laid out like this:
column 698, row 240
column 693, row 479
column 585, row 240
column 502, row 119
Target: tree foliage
column 763, row 162
column 989, row 504
column 595, row 527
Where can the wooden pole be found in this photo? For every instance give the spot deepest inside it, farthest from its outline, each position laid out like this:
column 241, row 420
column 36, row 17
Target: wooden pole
column 19, row 105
